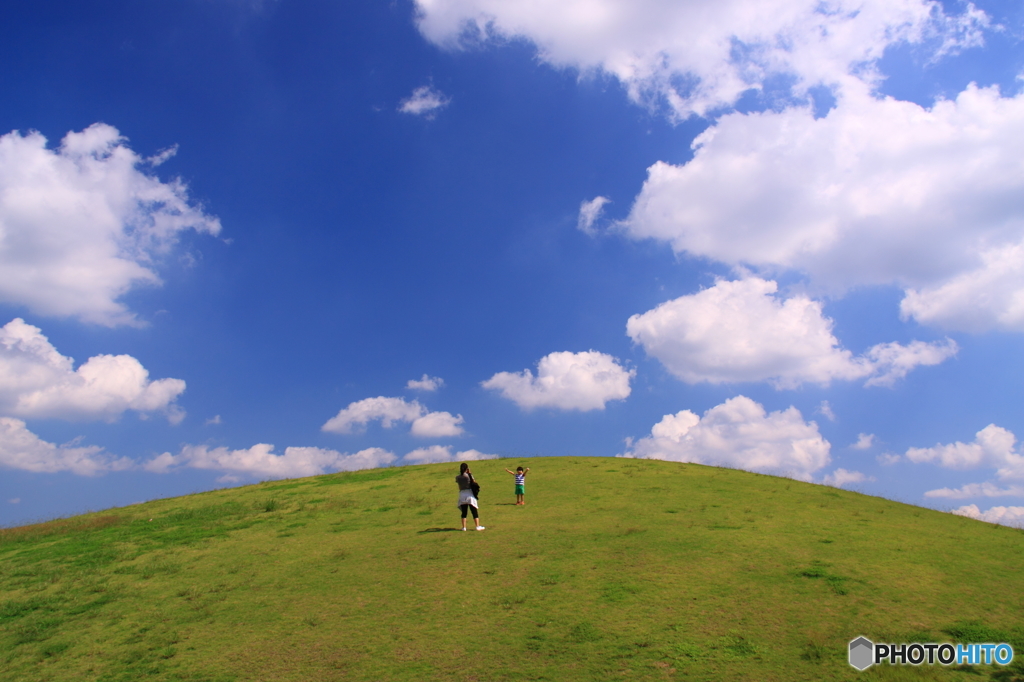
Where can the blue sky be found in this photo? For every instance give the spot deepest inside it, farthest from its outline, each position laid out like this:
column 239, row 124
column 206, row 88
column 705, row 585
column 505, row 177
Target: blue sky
column 253, row 240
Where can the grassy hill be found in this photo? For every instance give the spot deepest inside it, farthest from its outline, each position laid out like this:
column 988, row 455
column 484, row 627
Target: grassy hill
column 615, row 569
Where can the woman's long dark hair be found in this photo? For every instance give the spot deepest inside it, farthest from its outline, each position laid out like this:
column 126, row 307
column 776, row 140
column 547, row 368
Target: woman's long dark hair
column 463, row 468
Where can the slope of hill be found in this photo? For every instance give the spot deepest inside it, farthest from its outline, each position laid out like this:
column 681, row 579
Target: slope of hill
column 615, row 569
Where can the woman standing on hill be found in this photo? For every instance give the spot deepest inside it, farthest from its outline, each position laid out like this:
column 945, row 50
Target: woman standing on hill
column 467, row 497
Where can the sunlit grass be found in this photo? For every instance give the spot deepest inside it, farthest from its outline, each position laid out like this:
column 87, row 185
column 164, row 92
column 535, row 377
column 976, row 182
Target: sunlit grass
column 614, row 569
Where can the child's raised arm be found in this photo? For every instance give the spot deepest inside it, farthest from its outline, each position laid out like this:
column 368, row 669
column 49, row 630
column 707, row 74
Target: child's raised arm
column 511, row 472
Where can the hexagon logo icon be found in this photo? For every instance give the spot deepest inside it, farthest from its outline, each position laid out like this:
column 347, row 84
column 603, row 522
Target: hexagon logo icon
column 862, row 652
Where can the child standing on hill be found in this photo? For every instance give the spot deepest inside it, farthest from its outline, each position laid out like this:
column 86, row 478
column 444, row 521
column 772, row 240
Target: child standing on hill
column 520, row 475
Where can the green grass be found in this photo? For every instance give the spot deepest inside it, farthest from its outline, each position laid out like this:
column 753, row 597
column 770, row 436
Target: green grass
column 625, row 569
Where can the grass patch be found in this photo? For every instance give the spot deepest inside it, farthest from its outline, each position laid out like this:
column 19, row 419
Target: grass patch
column 54, row 649
column 837, row 583
column 36, row 531
column 977, row 631
column 584, row 632
column 271, row 505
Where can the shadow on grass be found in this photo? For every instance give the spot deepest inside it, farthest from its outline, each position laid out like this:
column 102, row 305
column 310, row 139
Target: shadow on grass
column 438, row 530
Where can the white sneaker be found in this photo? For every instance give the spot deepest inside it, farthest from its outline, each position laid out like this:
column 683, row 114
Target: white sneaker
column 480, row 528
column 463, row 529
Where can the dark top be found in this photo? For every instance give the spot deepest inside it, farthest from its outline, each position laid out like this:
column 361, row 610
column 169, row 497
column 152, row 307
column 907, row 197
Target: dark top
column 465, row 481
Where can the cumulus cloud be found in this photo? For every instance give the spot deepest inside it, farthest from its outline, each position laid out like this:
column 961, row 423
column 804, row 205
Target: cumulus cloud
column 841, row 477
column 992, row 447
column 443, row 453
column 83, row 224
column 738, row 433
column 989, row 295
column 437, row 425
column 389, row 411
column 22, row 449
column 878, row 192
column 892, row 361
column 590, row 211
column 37, row 381
column 1005, row 516
column 424, row 101
column 261, row 461
column 427, row 383
column 566, row 381
column 976, row 490
column 741, row 331
column 700, row 55
column 357, row 415
column 864, row 441
column 472, row 455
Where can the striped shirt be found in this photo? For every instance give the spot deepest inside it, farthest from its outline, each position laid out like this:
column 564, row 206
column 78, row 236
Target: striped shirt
column 520, row 479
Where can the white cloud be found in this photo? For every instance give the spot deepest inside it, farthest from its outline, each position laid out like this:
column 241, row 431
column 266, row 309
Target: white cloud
column 698, row 55
column 566, row 381
column 82, row 225
column 841, row 477
column 357, row 415
column 864, row 441
column 430, row 454
column 424, row 101
column 977, row 490
column 963, row 31
column 214, row 420
column 37, row 381
column 991, row 295
column 892, row 361
column 590, row 211
column 825, row 409
column 437, row 425
column 888, row 459
column 260, row 461
column 878, row 192
column 162, row 463
column 427, row 383
column 22, row 449
column 740, row 331
column 1006, row 516
column 739, row 433
column 992, row 447
column 472, row 456
column 439, row 453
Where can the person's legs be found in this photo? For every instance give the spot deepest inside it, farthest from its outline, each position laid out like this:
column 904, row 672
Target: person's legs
column 465, row 510
column 476, row 517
